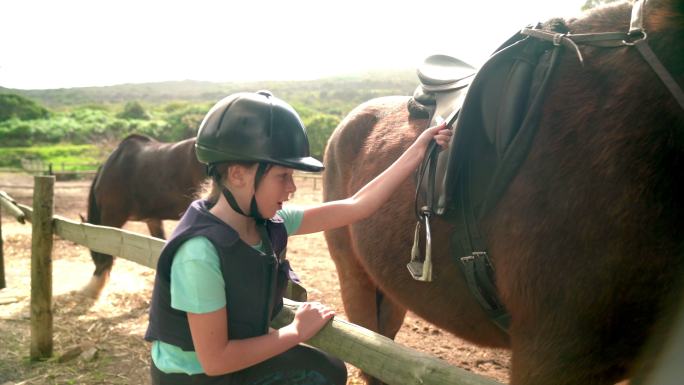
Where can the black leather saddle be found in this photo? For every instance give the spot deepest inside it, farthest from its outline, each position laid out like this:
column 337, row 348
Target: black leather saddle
column 496, row 118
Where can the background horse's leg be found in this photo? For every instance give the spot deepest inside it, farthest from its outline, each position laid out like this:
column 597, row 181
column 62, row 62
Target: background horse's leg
column 103, row 262
column 156, row 228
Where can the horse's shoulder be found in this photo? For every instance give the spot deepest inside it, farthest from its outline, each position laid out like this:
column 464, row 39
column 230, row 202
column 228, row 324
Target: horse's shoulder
column 383, row 104
column 367, row 114
column 371, row 119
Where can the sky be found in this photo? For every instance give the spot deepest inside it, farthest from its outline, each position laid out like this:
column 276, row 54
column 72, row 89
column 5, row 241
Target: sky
column 63, row 44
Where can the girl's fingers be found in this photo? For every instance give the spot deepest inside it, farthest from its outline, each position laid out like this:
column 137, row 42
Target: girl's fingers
column 441, row 126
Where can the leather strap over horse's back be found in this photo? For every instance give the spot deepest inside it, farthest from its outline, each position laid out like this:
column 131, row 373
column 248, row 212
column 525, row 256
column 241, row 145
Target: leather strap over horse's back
column 478, row 184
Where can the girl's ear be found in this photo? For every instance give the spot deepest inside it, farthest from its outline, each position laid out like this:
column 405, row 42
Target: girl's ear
column 235, row 175
column 239, row 175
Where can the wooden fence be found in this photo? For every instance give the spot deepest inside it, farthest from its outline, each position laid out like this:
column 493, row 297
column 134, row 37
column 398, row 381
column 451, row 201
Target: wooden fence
column 375, row 354
column 59, row 170
column 315, row 179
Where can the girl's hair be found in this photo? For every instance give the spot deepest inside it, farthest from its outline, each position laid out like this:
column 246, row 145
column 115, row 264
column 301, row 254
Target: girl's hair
column 211, row 191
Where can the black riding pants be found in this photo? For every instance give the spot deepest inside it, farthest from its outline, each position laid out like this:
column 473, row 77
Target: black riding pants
column 301, row 365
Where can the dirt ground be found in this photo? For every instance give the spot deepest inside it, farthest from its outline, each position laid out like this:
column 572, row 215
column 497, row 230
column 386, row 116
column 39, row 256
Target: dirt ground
column 100, row 342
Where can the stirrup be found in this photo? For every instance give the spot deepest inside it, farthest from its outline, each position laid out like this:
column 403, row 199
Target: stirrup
column 421, row 270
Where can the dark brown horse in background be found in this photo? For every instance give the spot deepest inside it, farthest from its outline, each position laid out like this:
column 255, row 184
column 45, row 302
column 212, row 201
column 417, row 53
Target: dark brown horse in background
column 586, row 241
column 142, row 180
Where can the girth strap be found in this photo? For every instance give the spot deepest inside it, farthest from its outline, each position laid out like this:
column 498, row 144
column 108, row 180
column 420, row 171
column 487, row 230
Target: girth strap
column 476, row 265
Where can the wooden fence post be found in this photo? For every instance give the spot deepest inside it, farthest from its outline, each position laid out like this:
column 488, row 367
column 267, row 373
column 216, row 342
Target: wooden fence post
column 3, row 284
column 41, row 267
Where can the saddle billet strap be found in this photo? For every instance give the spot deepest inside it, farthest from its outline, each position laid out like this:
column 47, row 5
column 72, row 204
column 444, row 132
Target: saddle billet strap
column 476, row 265
column 477, row 270
column 426, row 167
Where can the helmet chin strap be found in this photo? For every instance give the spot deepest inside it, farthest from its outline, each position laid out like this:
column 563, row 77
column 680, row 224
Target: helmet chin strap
column 253, row 207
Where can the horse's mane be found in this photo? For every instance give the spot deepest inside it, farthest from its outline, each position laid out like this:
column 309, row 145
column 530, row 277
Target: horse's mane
column 665, row 16
column 142, row 138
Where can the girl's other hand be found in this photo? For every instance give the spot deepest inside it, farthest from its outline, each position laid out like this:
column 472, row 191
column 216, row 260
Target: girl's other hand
column 310, row 318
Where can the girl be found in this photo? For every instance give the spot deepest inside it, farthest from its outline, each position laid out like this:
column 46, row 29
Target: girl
column 221, row 276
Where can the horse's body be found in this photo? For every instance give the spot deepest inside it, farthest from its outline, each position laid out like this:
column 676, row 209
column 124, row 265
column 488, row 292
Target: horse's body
column 142, row 180
column 586, row 242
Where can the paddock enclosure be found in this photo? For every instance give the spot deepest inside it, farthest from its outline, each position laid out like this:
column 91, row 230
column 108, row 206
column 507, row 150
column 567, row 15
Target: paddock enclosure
column 112, row 327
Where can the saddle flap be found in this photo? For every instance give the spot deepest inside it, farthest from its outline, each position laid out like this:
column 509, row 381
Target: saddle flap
column 493, row 107
column 496, row 107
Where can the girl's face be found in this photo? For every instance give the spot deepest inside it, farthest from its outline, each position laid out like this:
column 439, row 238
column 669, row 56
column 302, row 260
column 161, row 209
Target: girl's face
column 276, row 187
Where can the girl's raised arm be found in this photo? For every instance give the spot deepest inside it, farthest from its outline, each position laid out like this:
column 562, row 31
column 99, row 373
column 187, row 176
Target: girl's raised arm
column 370, row 197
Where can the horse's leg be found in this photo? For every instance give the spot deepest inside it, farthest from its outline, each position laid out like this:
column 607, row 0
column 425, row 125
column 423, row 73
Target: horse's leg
column 156, row 228
column 390, row 315
column 358, row 291
column 364, row 303
column 103, row 262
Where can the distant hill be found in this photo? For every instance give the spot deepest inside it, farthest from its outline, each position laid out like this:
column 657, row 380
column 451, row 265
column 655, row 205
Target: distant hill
column 352, row 88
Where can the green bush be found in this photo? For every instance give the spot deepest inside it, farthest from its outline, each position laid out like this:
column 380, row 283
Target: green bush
column 182, row 120
column 319, row 127
column 133, row 110
column 14, row 106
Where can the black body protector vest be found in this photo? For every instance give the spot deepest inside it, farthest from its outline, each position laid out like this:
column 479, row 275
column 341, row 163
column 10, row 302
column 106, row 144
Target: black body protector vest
column 254, row 282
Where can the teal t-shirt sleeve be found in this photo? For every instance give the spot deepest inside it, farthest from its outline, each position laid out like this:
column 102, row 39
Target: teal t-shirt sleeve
column 292, row 217
column 197, row 285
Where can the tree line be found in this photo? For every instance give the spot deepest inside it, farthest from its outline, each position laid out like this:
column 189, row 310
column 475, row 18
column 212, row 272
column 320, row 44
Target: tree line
column 173, row 111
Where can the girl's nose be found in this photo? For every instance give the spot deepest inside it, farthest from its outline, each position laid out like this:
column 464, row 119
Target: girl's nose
column 291, row 186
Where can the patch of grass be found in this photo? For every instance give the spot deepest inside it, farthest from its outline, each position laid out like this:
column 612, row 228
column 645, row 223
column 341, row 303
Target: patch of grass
column 73, row 157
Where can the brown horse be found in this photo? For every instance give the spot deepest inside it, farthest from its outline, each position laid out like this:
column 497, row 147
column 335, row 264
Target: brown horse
column 586, row 241
column 142, row 180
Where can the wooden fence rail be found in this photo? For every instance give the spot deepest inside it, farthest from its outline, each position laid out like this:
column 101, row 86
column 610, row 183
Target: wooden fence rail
column 60, row 170
column 373, row 353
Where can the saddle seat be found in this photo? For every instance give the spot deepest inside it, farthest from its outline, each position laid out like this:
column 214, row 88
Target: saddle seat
column 442, row 73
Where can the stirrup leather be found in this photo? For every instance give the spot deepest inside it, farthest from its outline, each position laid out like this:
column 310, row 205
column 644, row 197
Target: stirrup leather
column 422, row 270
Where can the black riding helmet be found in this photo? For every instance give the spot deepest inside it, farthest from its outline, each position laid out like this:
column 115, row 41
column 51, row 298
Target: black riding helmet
column 255, row 127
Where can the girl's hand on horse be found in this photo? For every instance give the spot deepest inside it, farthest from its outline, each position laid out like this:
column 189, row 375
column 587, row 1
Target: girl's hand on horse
column 310, row 318
column 440, row 133
column 370, row 197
